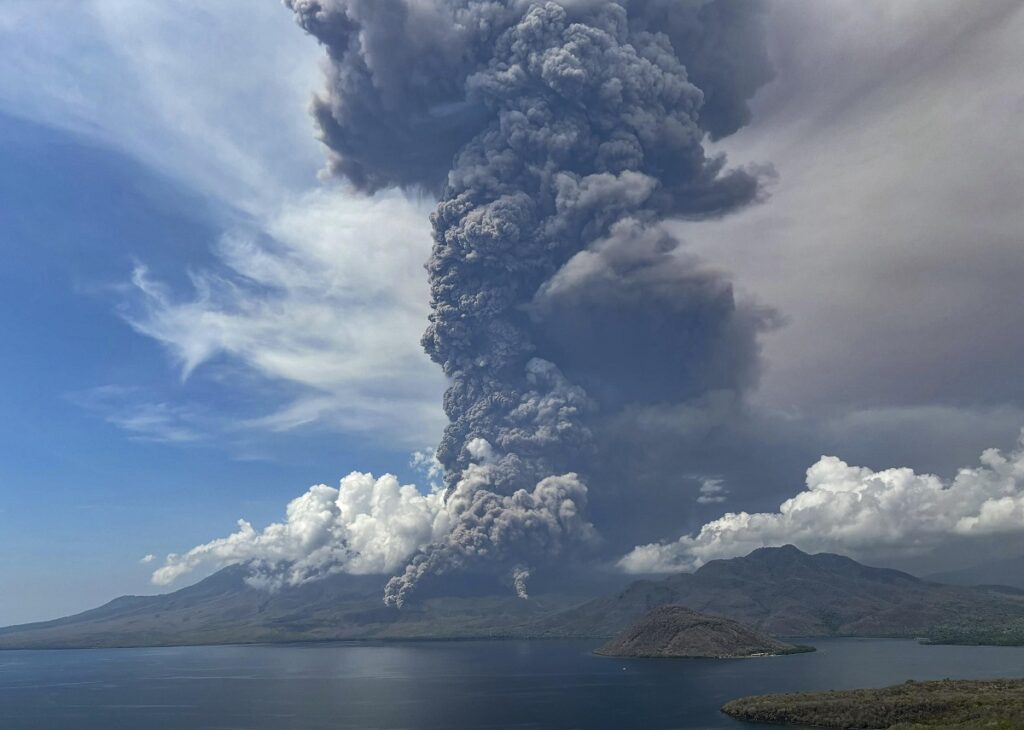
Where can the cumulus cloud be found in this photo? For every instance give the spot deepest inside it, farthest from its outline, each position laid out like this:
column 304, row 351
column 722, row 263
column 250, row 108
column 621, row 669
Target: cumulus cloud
column 858, row 511
column 366, row 526
column 425, row 462
column 376, row 526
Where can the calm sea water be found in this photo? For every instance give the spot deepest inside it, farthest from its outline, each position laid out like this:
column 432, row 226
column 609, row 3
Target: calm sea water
column 438, row 685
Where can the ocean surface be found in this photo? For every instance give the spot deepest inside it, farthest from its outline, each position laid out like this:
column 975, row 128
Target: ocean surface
column 442, row 685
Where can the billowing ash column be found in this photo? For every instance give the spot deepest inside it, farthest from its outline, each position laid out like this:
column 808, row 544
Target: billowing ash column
column 558, row 136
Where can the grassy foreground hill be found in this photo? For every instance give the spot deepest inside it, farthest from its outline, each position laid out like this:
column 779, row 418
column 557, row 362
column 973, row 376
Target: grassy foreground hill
column 947, row 704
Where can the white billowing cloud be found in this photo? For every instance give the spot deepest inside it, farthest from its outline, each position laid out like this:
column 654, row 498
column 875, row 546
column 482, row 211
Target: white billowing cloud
column 858, row 511
column 376, row 526
column 366, row 526
column 425, row 461
column 331, row 298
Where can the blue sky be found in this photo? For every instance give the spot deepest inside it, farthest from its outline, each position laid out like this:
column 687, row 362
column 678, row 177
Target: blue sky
column 114, row 443
column 196, row 328
column 88, row 490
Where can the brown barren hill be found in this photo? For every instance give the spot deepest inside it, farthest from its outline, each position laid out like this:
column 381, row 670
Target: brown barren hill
column 676, row 631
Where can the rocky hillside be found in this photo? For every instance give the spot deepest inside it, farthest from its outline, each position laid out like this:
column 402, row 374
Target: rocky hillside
column 676, row 631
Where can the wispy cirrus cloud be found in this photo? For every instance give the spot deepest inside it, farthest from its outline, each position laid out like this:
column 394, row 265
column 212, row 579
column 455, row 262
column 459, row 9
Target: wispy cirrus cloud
column 324, row 298
column 172, row 84
column 132, row 410
column 317, row 297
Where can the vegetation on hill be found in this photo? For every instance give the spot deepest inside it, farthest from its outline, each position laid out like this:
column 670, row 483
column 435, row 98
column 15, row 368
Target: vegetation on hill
column 971, row 633
column 946, row 704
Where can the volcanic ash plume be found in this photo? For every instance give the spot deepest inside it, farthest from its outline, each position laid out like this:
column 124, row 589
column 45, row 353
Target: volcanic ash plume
column 558, row 136
column 520, row 577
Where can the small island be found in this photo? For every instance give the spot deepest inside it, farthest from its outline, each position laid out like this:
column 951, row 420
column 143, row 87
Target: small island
column 946, row 704
column 677, row 631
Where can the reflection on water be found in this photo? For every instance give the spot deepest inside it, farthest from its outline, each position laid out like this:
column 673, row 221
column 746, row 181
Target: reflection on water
column 438, row 685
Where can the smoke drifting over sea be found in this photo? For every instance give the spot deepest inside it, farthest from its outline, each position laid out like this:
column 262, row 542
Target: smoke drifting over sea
column 558, row 137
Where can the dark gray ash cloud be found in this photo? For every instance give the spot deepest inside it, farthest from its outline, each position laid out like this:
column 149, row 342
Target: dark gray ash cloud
column 558, row 136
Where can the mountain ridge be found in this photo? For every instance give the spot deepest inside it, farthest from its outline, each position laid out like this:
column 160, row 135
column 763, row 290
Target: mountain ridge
column 786, row 592
column 777, row 591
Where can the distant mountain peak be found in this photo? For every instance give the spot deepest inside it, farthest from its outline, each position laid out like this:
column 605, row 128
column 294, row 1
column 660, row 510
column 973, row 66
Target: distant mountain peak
column 783, row 591
column 790, row 552
column 787, row 549
column 789, row 561
column 776, row 554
